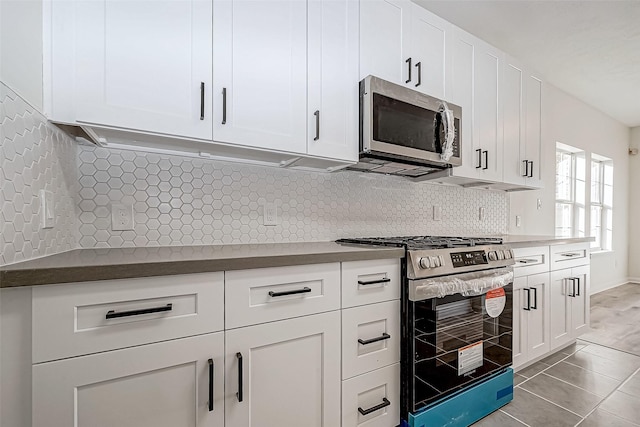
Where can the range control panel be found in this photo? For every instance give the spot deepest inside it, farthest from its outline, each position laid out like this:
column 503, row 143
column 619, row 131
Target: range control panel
column 465, row 259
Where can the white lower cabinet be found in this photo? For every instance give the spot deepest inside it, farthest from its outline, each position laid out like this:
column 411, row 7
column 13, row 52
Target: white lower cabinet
column 569, row 304
column 284, row 373
column 530, row 317
column 166, row 384
column 371, row 400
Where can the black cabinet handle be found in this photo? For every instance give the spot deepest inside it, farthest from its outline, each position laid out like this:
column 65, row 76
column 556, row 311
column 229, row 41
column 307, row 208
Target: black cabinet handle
column 479, row 151
column 573, row 286
column 384, row 336
column 578, row 280
column 528, row 291
column 526, row 167
column 535, row 298
column 224, row 105
column 283, row 293
column 373, row 282
column 211, row 385
column 419, row 65
column 486, row 160
column 239, row 393
column 111, row 314
column 201, row 100
column 408, row 61
column 317, row 114
column 384, row 404
column 530, row 175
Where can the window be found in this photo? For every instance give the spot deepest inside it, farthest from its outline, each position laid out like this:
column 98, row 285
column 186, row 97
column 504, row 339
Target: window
column 570, row 191
column 601, row 202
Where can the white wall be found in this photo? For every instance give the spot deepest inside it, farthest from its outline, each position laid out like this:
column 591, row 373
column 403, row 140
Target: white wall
column 21, row 48
column 634, row 208
column 567, row 120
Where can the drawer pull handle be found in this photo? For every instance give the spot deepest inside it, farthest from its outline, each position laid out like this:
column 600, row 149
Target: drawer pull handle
column 211, row 367
column 283, row 293
column 373, row 282
column 239, row 393
column 384, row 404
column 527, row 261
column 571, row 254
column 111, row 314
column 384, row 336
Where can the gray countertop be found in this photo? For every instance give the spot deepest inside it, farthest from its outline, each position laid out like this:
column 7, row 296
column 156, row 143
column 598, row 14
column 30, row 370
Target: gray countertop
column 82, row 265
column 516, row 241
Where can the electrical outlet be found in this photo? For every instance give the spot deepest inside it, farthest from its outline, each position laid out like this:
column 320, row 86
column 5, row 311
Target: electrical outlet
column 518, row 221
column 270, row 214
column 437, row 213
column 47, row 214
column 481, row 214
column 121, row 217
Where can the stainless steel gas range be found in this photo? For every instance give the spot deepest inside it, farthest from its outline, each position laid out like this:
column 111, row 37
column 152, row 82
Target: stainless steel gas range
column 456, row 328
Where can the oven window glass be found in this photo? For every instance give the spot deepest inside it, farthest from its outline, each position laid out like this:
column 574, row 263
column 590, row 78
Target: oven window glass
column 399, row 123
column 456, row 342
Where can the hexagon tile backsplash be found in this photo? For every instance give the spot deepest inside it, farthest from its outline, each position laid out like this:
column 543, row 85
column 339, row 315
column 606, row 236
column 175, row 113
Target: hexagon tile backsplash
column 190, row 201
column 34, row 156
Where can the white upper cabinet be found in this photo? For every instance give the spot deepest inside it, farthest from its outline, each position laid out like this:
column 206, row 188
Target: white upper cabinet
column 260, row 73
column 405, row 44
column 142, row 66
column 522, row 126
column 332, row 114
column 477, row 78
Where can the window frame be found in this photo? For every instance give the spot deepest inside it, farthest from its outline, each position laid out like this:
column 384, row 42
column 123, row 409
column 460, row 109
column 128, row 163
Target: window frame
column 576, row 206
column 606, row 210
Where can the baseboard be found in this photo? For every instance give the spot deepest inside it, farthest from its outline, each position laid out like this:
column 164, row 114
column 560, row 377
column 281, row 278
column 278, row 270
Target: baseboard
column 630, row 280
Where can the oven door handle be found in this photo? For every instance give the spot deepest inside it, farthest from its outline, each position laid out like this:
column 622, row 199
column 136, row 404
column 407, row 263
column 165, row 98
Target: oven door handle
column 465, row 284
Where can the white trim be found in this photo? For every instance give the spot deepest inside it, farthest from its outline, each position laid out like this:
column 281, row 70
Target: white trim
column 634, row 280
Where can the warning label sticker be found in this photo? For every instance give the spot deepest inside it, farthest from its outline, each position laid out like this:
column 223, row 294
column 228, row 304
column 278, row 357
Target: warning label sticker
column 495, row 301
column 470, row 358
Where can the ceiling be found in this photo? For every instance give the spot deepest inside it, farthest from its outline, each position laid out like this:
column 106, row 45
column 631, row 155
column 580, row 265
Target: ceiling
column 590, row 49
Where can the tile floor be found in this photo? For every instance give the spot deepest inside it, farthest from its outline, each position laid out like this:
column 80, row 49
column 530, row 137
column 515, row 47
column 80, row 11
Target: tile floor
column 594, row 382
column 586, row 385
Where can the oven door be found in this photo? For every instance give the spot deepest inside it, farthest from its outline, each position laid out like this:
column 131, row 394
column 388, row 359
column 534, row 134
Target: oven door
column 460, row 336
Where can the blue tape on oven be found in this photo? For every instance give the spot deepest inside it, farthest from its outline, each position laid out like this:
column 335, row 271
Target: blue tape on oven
column 504, row 392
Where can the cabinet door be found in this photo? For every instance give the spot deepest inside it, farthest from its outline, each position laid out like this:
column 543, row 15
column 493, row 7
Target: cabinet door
column 333, row 79
column 580, row 303
column 165, row 384
column 538, row 316
column 385, row 31
column 284, row 373
column 559, row 308
column 514, row 130
column 464, row 52
column 260, row 69
column 533, row 136
column 520, row 309
column 430, row 52
column 487, row 106
column 157, row 80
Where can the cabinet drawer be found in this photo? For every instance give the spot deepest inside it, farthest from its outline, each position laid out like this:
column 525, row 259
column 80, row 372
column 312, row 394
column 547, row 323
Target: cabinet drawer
column 379, row 390
column 531, row 261
column 83, row 318
column 367, row 282
column 567, row 256
column 267, row 294
column 370, row 337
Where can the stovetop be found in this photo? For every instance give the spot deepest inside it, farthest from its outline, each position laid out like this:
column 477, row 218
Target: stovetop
column 425, row 242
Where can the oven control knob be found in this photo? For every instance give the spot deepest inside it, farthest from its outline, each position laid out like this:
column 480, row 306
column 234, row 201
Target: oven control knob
column 435, row 261
column 501, row 255
column 508, row 254
column 425, row 262
column 492, row 255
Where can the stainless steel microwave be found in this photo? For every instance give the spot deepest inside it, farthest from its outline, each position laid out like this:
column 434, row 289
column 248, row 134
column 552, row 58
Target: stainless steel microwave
column 405, row 132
